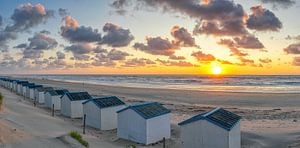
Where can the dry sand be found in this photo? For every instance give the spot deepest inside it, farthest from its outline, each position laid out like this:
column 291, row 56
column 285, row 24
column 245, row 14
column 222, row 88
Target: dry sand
column 269, row 120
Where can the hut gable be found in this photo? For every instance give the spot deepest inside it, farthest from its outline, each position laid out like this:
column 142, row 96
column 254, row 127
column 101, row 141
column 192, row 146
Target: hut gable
column 105, row 102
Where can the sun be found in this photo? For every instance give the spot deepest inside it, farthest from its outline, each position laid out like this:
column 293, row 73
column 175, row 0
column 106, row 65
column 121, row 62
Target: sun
column 216, row 70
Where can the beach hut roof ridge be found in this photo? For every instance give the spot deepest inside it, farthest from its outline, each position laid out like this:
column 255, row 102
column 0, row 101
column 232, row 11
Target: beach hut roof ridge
column 76, row 96
column 104, row 102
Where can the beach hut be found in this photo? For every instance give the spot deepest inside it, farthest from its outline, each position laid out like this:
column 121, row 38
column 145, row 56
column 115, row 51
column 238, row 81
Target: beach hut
column 101, row 113
column 53, row 97
column 26, row 89
column 71, row 104
column 39, row 94
column 14, row 85
column 32, row 89
column 144, row 123
column 20, row 86
column 218, row 128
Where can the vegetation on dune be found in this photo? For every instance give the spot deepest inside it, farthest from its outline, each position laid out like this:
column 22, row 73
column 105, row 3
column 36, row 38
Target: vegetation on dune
column 78, row 137
column 1, row 101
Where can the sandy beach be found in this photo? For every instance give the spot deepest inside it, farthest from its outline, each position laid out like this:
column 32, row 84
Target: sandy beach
column 268, row 119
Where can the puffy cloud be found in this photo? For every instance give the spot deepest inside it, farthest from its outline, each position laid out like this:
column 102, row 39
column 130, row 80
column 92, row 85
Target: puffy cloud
column 248, row 42
column 32, row 54
column 63, row 12
column 137, row 62
column 262, row 19
column 296, row 61
column 81, row 48
column 218, row 17
column 293, row 49
column 266, row 60
column 21, row 46
column 41, row 41
column 116, row 36
column 174, row 57
column 102, row 60
column 100, row 50
column 157, row 46
column 73, row 33
column 5, row 37
column 282, row 3
column 26, row 16
column 182, row 37
column 232, row 46
column 60, row 55
column 116, row 55
column 175, row 63
column 202, row 57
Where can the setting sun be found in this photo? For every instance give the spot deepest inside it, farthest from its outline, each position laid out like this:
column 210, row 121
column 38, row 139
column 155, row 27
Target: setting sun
column 216, row 70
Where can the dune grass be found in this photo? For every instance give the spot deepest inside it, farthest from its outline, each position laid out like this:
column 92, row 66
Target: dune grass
column 1, row 101
column 78, row 137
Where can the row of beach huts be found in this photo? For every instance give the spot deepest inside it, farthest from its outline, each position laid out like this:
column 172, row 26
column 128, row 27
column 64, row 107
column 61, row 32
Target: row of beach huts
column 145, row 123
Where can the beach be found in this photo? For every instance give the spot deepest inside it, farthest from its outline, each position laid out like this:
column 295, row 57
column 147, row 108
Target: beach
column 268, row 119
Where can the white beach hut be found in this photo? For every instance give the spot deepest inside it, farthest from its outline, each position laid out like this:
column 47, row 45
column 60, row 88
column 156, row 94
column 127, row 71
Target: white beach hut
column 101, row 113
column 215, row 129
column 20, row 87
column 15, row 84
column 26, row 91
column 53, row 97
column 144, row 123
column 71, row 104
column 32, row 89
column 39, row 94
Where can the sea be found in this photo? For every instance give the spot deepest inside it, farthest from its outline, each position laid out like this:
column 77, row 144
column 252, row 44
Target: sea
column 225, row 83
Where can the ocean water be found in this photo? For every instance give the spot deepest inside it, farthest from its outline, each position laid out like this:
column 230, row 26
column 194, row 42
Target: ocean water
column 245, row 83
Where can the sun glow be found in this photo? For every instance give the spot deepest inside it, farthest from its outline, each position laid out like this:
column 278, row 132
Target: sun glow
column 216, row 70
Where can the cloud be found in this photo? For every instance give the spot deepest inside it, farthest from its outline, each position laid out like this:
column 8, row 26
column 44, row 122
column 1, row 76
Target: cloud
column 262, row 19
column 266, row 60
column 32, row 54
column 138, row 62
column 80, row 48
column 282, row 3
column 63, row 12
column 293, row 49
column 157, row 46
column 232, row 46
column 5, row 37
column 1, row 20
column 22, row 45
column 116, row 55
column 60, row 55
column 175, row 63
column 26, row 16
column 73, row 33
column 218, row 17
column 248, row 42
column 296, row 61
column 182, row 37
column 174, row 57
column 116, row 36
column 41, row 41
column 102, row 60
column 202, row 57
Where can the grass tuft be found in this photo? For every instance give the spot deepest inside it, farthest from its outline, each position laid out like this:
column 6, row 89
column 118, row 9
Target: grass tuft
column 78, row 137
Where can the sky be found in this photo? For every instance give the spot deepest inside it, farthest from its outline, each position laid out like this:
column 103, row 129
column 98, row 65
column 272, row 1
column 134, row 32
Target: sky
column 257, row 37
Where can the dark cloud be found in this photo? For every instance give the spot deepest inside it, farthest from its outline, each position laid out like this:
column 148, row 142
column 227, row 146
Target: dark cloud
column 102, row 60
column 63, row 12
column 182, row 37
column 27, row 16
column 81, row 48
column 41, row 41
column 202, row 57
column 262, row 19
column 157, row 46
column 218, row 17
column 116, row 55
column 116, row 36
column 32, row 54
column 293, row 49
column 266, row 60
column 248, row 42
column 73, row 33
column 175, row 63
column 232, row 46
column 296, row 61
column 60, row 55
column 21, row 46
column 138, row 62
column 100, row 50
column 5, row 37
column 174, row 57
column 281, row 3
column 1, row 21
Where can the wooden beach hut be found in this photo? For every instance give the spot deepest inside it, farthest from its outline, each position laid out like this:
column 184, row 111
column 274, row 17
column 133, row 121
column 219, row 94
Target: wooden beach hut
column 32, row 89
column 20, row 87
column 144, row 123
column 26, row 92
column 71, row 104
column 101, row 113
column 53, row 97
column 39, row 94
column 218, row 128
